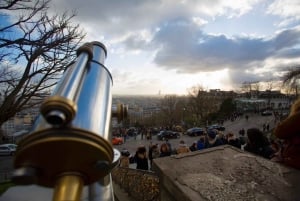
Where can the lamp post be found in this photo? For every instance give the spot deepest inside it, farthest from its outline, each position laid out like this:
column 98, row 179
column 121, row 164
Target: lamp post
column 183, row 111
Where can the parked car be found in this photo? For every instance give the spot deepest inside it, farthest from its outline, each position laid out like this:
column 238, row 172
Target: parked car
column 117, row 140
column 163, row 135
column 267, row 113
column 154, row 131
column 216, row 127
column 195, row 131
column 8, row 149
column 132, row 132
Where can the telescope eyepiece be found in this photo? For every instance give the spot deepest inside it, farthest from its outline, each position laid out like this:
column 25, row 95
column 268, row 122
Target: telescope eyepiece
column 58, row 111
column 56, row 118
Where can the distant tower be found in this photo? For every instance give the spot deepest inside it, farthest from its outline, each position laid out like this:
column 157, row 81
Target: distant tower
column 159, row 92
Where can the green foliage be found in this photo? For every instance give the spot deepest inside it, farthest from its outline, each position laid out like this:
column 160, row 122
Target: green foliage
column 227, row 107
column 4, row 186
column 213, row 117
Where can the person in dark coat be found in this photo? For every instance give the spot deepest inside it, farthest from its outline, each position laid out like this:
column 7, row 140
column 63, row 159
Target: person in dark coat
column 212, row 139
column 258, row 144
column 153, row 153
column 164, row 150
column 233, row 141
column 141, row 158
column 193, row 147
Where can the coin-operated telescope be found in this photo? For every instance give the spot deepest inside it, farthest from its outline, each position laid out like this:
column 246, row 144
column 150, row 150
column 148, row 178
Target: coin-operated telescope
column 70, row 144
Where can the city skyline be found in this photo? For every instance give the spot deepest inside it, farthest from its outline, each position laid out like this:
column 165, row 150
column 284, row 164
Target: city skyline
column 168, row 46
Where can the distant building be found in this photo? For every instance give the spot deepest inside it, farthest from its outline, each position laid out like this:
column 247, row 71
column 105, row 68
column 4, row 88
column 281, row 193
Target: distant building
column 21, row 121
column 141, row 107
column 262, row 100
column 24, row 119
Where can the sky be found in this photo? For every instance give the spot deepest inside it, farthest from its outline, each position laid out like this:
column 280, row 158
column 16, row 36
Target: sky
column 169, row 46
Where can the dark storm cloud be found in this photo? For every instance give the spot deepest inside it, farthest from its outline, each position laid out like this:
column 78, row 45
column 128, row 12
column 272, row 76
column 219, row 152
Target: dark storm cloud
column 240, row 76
column 118, row 17
column 184, row 47
column 181, row 43
column 289, row 53
column 286, row 38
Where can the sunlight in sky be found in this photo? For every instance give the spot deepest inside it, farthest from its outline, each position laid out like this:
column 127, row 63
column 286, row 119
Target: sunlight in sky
column 214, row 44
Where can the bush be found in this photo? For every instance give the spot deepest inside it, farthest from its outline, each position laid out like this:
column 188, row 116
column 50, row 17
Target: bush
column 5, row 185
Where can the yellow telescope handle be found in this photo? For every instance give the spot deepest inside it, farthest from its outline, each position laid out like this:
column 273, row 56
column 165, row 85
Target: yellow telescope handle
column 68, row 188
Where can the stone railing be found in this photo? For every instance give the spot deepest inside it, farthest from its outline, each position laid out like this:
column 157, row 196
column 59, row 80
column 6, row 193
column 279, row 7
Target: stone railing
column 140, row 185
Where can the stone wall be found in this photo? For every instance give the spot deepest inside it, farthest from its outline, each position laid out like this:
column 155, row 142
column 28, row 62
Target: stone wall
column 225, row 173
column 140, row 185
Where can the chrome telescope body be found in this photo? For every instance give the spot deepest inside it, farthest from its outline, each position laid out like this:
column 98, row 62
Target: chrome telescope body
column 70, row 144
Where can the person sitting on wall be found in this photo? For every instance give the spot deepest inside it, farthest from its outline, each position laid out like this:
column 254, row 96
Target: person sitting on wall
column 164, row 150
column 232, row 140
column 201, row 142
column 182, row 148
column 212, row 139
column 289, row 131
column 193, row 147
column 258, row 144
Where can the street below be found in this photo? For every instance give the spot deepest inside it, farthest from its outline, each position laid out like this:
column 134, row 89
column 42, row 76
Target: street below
column 254, row 121
column 131, row 144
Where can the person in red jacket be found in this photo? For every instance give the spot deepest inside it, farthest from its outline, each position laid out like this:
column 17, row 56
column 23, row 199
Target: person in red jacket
column 289, row 131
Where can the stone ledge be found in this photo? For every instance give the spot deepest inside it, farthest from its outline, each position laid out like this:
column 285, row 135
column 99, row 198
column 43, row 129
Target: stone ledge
column 225, row 173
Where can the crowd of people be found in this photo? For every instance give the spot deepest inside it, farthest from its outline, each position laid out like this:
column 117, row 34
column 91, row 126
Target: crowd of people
column 209, row 139
column 141, row 156
column 284, row 147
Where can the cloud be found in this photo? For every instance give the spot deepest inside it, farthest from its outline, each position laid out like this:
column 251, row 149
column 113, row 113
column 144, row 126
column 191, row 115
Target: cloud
column 186, row 48
column 115, row 18
column 288, row 10
column 173, row 31
column 130, row 82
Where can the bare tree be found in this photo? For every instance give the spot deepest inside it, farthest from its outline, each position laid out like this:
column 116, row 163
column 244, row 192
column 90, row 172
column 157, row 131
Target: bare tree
column 269, row 87
column 289, row 91
column 168, row 109
column 256, row 88
column 201, row 103
column 246, row 88
column 35, row 49
column 250, row 88
column 291, row 78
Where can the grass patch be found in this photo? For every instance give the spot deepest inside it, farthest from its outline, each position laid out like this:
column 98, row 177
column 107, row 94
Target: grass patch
column 5, row 185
